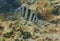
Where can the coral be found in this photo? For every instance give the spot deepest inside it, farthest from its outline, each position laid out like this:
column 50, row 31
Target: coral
column 45, row 9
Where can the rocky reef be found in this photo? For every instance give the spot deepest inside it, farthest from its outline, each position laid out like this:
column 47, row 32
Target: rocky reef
column 22, row 30
column 14, row 27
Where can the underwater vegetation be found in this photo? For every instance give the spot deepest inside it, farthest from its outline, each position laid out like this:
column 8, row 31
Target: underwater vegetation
column 2, row 18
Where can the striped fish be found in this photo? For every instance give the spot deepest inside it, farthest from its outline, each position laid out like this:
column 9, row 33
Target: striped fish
column 29, row 15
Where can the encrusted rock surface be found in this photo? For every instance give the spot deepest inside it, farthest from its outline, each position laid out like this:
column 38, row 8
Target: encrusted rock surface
column 22, row 30
column 15, row 28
